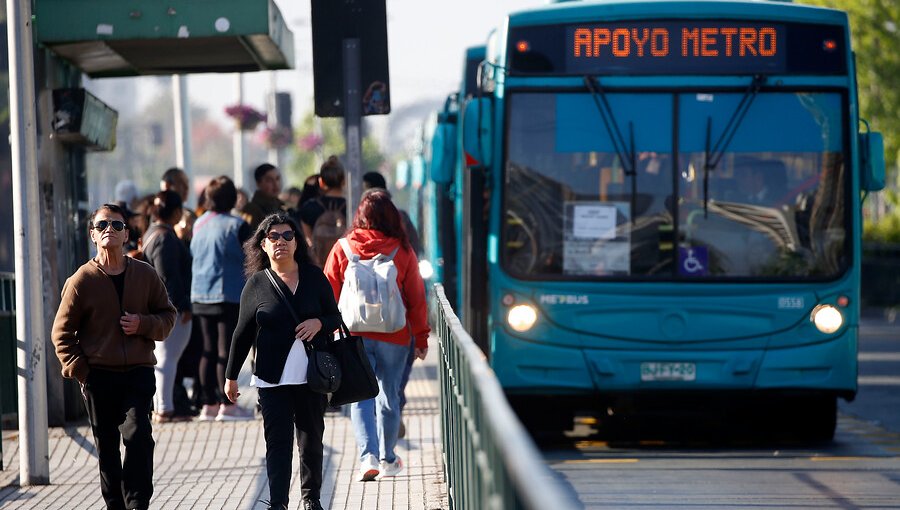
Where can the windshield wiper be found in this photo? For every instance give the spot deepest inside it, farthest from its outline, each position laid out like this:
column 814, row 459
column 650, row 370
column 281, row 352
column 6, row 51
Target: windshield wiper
column 626, row 153
column 712, row 156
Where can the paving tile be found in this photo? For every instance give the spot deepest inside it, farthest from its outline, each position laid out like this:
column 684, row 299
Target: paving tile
column 209, row 465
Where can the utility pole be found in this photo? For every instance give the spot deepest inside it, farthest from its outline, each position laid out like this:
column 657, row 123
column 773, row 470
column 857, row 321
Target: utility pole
column 181, row 101
column 34, row 460
column 352, row 123
column 275, row 153
column 238, row 140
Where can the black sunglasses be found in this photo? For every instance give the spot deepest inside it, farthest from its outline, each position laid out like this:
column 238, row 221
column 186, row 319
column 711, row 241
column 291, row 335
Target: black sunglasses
column 287, row 235
column 117, row 225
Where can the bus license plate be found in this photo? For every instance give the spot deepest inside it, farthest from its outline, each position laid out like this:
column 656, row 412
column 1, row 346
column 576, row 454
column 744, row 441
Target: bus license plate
column 664, row 371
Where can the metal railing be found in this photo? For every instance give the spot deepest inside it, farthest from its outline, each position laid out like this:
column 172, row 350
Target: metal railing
column 489, row 460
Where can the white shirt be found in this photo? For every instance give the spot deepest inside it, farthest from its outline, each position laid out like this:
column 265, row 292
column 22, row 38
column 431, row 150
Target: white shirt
column 294, row 369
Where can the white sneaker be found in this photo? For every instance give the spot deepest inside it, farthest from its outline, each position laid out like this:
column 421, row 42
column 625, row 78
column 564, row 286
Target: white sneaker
column 208, row 413
column 234, row 413
column 368, row 468
column 391, row 468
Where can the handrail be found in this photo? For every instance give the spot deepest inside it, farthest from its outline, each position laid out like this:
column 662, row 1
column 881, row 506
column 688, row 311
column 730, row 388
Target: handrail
column 490, row 462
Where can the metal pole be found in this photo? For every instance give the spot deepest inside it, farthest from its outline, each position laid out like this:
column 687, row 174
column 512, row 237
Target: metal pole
column 34, row 460
column 180, row 99
column 352, row 121
column 238, row 139
column 272, row 118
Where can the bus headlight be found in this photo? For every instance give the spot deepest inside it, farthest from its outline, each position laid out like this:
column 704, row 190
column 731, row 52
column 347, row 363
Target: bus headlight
column 827, row 318
column 521, row 317
column 426, row 269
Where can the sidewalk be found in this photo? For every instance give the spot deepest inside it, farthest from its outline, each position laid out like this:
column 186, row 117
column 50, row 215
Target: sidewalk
column 210, row 465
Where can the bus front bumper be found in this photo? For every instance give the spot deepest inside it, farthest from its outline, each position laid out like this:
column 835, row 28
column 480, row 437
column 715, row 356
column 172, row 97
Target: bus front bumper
column 537, row 368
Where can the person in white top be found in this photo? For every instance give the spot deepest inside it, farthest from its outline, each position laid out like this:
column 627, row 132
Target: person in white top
column 265, row 321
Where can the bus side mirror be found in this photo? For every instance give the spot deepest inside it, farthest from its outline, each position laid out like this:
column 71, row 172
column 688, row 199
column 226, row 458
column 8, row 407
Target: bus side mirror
column 443, row 148
column 871, row 149
column 477, row 132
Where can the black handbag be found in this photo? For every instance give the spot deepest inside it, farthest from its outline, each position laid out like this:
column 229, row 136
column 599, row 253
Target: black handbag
column 359, row 381
column 323, row 373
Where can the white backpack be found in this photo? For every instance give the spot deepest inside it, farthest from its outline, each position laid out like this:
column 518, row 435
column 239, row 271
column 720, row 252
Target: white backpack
column 370, row 297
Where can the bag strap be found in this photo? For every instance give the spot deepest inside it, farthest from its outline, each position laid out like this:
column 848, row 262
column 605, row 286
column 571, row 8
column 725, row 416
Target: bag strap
column 286, row 303
column 345, row 244
column 153, row 234
column 344, row 331
column 203, row 220
column 388, row 258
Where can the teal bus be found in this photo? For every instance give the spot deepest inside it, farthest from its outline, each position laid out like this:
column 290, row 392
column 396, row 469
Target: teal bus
column 441, row 196
column 662, row 199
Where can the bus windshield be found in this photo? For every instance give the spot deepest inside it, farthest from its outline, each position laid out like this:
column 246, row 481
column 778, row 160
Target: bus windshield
column 774, row 207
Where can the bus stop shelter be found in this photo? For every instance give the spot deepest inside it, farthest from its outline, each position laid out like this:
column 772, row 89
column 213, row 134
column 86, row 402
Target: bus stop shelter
column 112, row 38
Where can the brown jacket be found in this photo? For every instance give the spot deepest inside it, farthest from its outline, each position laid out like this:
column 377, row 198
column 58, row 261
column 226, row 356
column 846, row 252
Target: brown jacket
column 86, row 331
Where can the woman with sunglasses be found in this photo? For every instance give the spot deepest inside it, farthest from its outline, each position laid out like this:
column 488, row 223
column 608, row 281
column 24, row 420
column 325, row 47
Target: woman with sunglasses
column 112, row 312
column 280, row 371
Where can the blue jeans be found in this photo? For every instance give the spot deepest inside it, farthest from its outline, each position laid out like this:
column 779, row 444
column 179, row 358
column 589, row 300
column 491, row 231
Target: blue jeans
column 376, row 422
column 407, row 370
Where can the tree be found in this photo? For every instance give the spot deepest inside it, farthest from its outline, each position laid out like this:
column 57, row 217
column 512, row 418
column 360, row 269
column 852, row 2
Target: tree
column 316, row 143
column 875, row 36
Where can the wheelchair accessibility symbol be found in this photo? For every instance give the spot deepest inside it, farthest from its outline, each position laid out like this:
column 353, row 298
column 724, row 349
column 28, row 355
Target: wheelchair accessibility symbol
column 693, row 261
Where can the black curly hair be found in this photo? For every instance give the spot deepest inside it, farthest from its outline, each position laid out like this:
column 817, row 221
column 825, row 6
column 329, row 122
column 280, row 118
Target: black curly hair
column 256, row 260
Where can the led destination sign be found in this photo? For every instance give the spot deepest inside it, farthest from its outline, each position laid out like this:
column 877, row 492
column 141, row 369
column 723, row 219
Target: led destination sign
column 677, row 47
column 680, row 46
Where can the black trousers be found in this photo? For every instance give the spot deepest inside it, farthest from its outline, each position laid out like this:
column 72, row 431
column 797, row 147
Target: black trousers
column 217, row 331
column 285, row 410
column 118, row 405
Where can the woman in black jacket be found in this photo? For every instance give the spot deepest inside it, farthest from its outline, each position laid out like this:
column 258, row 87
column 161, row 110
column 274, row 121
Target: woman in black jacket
column 280, row 374
column 170, row 257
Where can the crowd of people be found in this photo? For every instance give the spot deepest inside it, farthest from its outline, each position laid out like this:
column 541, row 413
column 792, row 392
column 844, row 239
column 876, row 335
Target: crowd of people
column 175, row 294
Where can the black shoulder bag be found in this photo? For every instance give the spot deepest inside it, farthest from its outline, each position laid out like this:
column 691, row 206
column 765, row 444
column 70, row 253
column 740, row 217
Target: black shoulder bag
column 323, row 373
column 359, row 379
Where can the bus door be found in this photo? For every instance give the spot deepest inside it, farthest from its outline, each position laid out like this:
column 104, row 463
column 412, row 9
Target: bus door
column 474, row 273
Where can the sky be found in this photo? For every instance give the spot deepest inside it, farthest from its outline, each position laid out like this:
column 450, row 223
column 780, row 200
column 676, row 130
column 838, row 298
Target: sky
column 426, row 41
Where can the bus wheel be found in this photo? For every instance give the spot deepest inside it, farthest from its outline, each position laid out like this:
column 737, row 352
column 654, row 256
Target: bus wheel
column 543, row 418
column 820, row 416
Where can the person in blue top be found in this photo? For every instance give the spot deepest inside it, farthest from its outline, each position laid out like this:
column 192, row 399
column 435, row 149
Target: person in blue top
column 218, row 278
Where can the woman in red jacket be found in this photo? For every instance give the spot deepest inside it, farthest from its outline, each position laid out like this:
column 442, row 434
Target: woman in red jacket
column 378, row 229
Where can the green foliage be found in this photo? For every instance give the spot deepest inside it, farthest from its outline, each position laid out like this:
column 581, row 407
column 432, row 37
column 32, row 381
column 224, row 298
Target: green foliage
column 886, row 229
column 875, row 32
column 330, row 133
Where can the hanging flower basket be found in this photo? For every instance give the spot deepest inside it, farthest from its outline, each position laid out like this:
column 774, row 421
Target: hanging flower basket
column 277, row 137
column 310, row 142
column 245, row 117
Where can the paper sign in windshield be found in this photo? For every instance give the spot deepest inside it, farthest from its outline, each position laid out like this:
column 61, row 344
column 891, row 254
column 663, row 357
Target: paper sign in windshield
column 596, row 240
column 594, row 222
